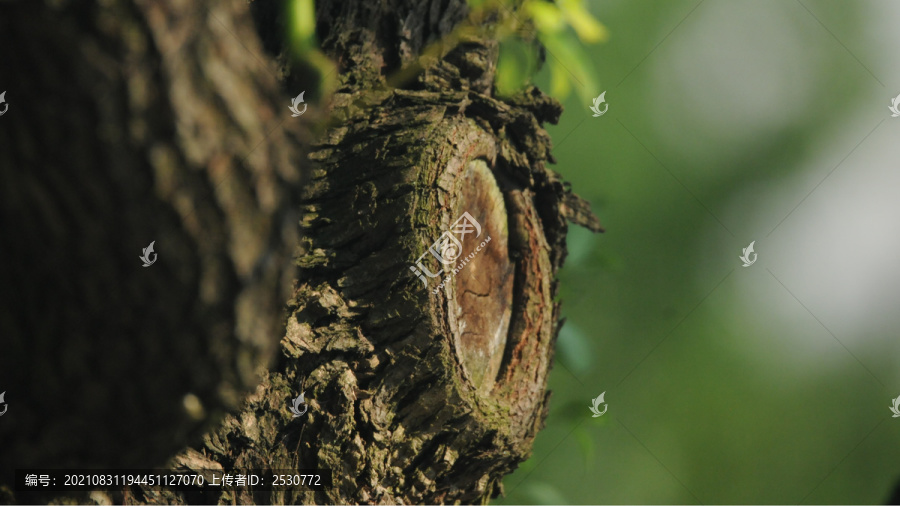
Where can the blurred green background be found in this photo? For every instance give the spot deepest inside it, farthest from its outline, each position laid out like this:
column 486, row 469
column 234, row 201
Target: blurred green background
column 729, row 121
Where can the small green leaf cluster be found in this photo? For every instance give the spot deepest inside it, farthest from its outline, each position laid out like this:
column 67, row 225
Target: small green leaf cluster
column 560, row 27
column 303, row 43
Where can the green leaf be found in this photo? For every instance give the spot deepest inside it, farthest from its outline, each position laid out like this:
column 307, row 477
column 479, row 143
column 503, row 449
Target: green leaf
column 559, row 80
column 302, row 25
column 567, row 61
column 547, row 17
column 304, row 46
column 585, row 25
column 568, row 53
column 516, row 65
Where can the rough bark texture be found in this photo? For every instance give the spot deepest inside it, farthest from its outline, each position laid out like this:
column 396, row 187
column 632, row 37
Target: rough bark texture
column 400, row 363
column 132, row 122
column 418, row 392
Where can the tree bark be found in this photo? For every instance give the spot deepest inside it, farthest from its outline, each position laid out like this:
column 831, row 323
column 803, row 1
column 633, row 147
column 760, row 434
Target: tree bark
column 132, row 122
column 170, row 126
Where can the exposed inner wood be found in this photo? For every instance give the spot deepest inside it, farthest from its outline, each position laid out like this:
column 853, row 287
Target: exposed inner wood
column 483, row 275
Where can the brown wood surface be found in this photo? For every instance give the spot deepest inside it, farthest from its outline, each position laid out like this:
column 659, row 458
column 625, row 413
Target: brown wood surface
column 168, row 121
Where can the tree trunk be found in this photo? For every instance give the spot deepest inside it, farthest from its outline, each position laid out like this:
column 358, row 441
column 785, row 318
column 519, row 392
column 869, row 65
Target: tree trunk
column 164, row 121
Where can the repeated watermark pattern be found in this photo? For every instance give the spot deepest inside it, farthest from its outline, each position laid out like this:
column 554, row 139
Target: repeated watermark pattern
column 296, row 404
column 895, row 106
column 748, row 256
column 295, row 102
column 595, row 405
column 145, row 255
column 745, row 257
column 601, row 99
column 895, row 407
column 598, row 112
column 448, row 249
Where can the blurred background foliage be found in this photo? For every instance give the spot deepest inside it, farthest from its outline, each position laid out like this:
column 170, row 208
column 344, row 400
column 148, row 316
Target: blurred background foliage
column 729, row 121
column 536, row 27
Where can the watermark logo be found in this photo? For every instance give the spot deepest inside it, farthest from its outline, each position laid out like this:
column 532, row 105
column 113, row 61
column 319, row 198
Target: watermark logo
column 595, row 405
column 448, row 249
column 295, row 406
column 3, row 401
column 296, row 102
column 894, row 409
column 894, row 108
column 3, row 101
column 146, row 256
column 746, row 256
column 601, row 99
